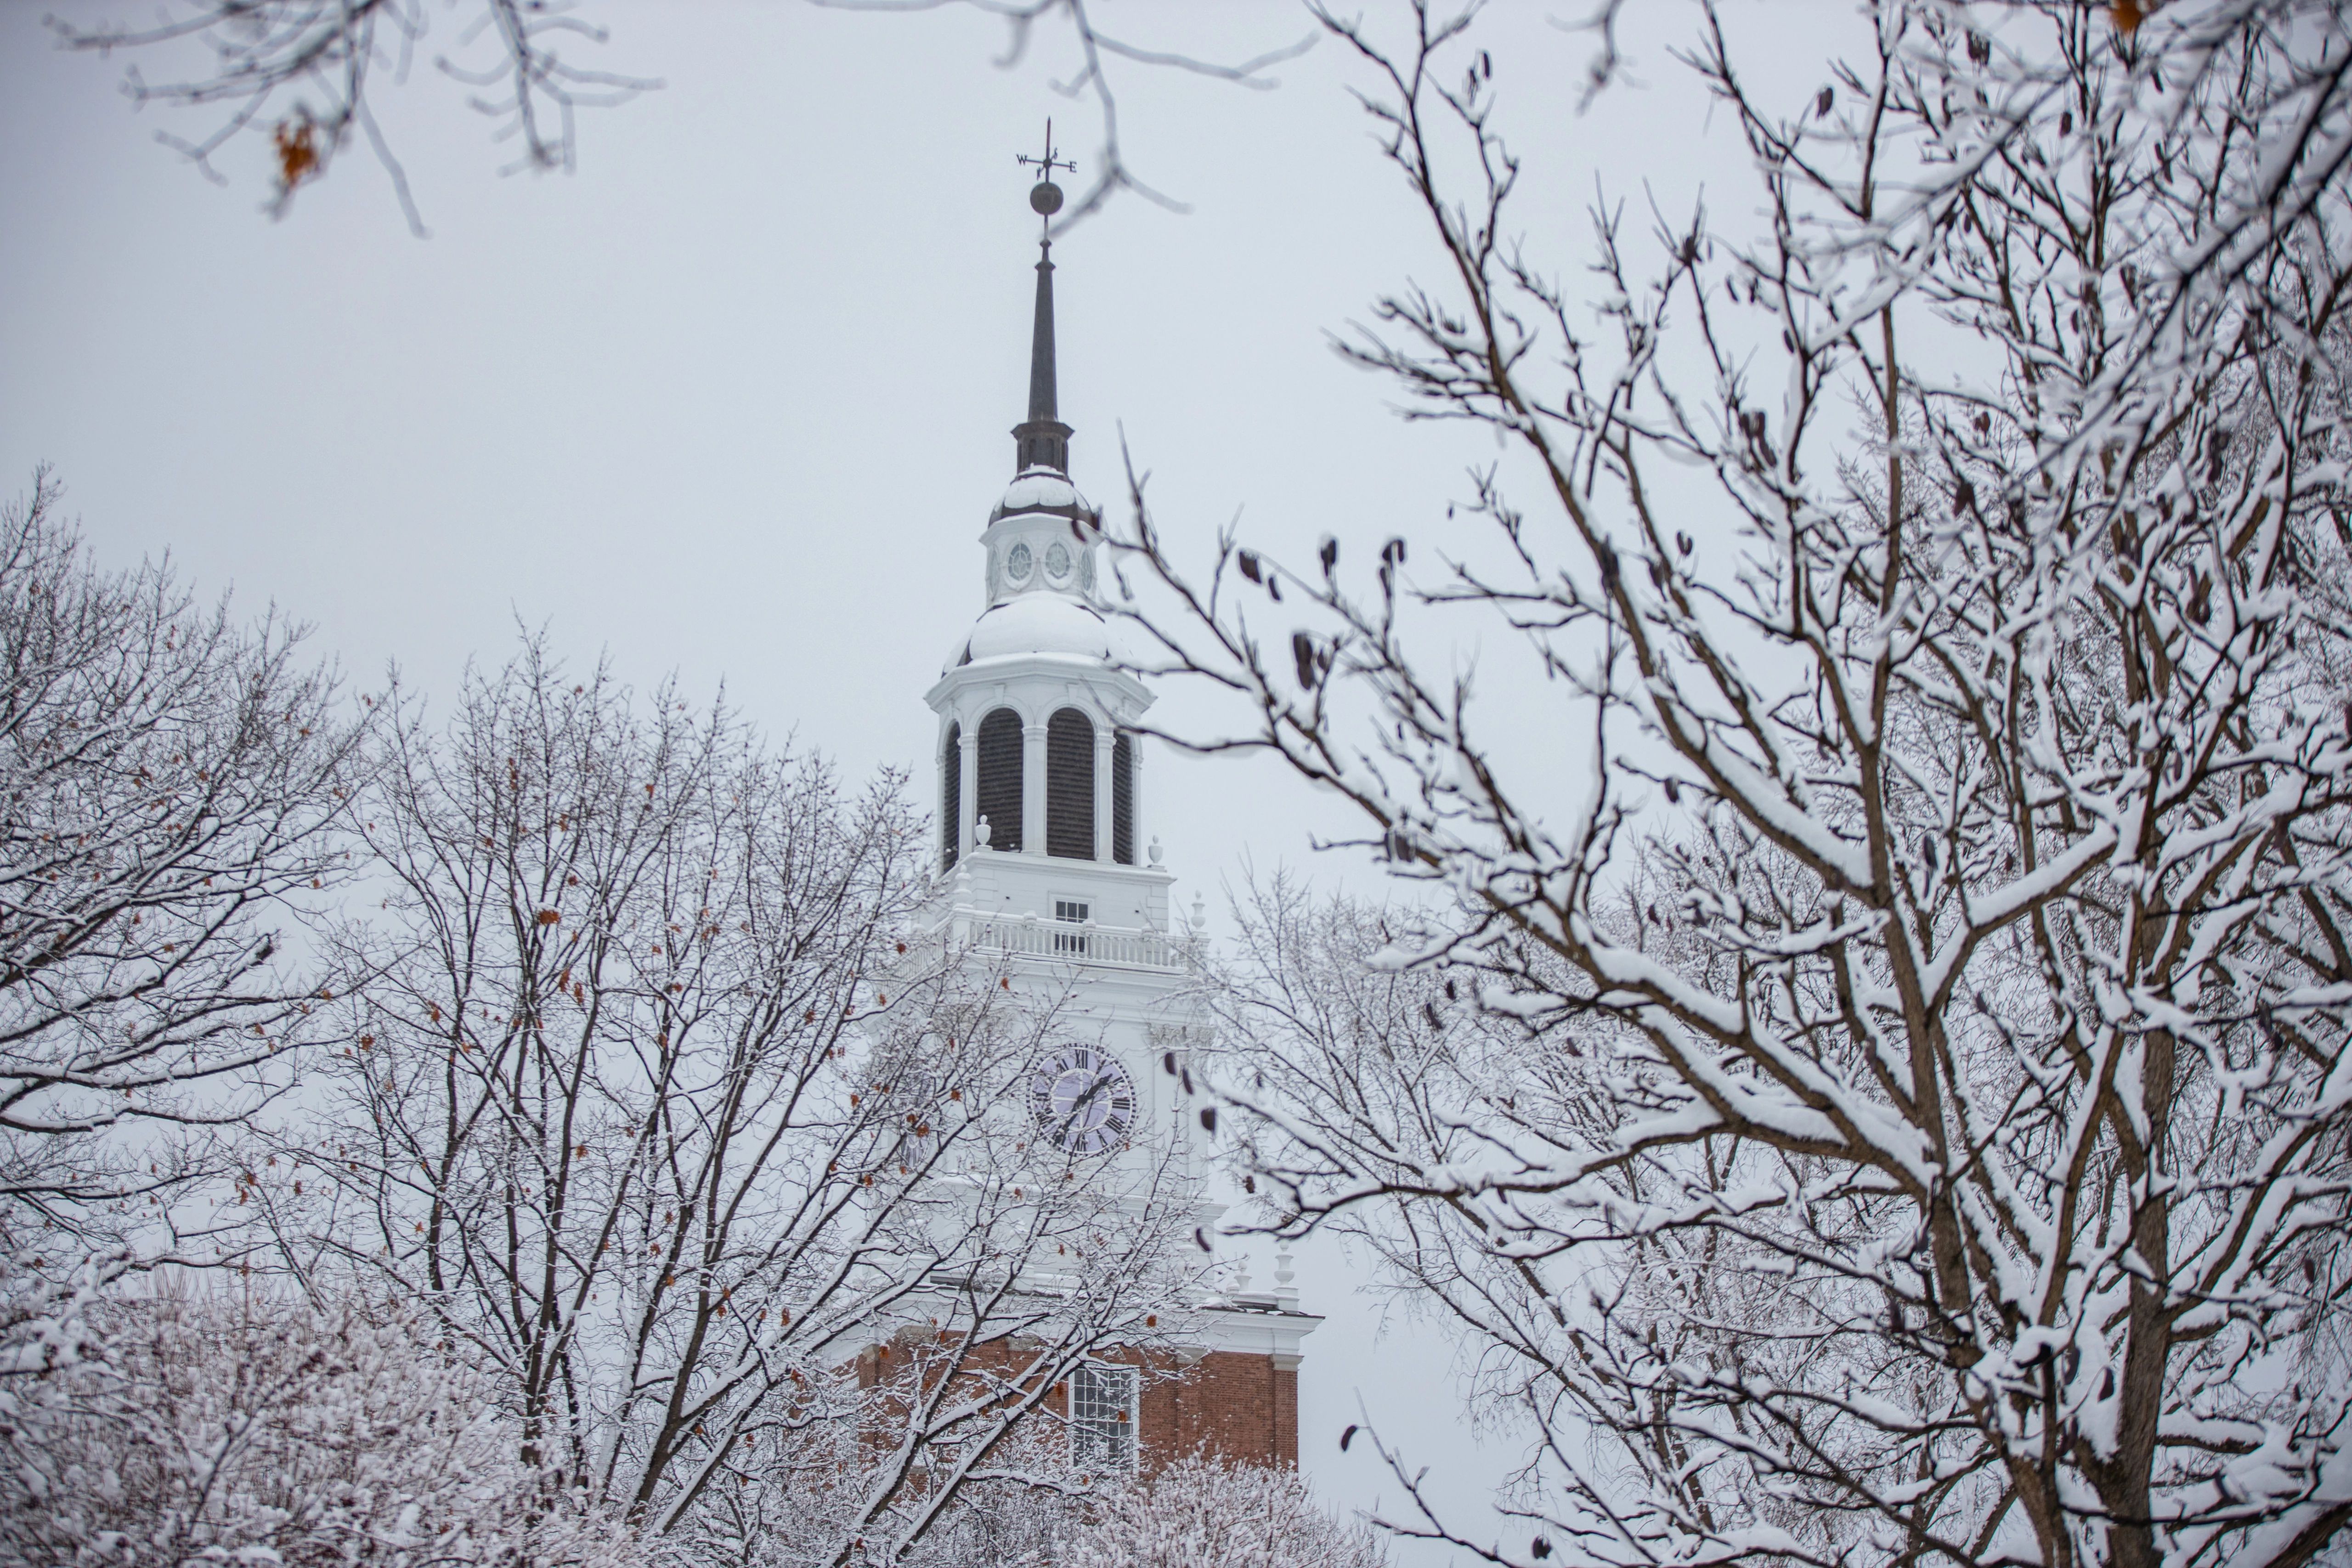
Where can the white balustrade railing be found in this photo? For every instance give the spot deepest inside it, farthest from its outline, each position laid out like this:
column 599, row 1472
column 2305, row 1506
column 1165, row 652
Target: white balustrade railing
column 1069, row 941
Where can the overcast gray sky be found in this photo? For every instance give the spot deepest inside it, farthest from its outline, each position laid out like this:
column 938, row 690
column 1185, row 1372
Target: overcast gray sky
column 732, row 400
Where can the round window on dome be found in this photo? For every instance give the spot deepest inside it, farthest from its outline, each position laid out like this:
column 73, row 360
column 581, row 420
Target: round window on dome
column 1016, row 565
column 1058, row 562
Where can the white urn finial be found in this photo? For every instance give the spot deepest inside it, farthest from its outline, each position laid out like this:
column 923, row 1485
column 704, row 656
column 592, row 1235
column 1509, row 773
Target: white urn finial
column 980, row 834
column 1154, row 852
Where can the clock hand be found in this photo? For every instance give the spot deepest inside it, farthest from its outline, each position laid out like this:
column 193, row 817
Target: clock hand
column 1079, row 1103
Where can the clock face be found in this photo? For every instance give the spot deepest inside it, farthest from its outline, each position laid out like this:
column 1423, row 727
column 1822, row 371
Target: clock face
column 1083, row 1099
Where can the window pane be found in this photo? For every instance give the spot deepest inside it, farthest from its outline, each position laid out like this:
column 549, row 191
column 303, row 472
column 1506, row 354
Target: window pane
column 1070, row 911
column 1102, row 1416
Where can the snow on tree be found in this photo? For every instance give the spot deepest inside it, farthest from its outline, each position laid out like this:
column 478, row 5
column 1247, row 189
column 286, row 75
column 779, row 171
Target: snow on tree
column 655, row 1100
column 167, row 780
column 1198, row 1511
column 1202, row 1512
column 1905, row 1113
column 231, row 1424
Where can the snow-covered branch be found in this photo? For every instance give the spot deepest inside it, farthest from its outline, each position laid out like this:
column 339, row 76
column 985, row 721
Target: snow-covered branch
column 1893, row 1092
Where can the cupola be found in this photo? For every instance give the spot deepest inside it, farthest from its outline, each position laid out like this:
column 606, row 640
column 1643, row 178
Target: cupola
column 1036, row 716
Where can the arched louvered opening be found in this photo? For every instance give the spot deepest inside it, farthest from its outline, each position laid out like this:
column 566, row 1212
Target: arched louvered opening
column 1122, row 799
column 951, row 796
column 1070, row 787
column 999, row 796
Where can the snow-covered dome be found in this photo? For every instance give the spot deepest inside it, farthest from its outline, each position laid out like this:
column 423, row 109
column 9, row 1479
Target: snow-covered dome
column 1036, row 623
column 1044, row 490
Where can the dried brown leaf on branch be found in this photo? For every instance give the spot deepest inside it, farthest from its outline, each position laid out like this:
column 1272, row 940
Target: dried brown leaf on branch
column 295, row 139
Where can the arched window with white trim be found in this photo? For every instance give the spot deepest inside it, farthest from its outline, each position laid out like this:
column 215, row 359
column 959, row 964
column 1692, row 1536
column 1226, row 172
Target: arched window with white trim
column 1070, row 785
column 1122, row 799
column 999, row 794
column 951, row 796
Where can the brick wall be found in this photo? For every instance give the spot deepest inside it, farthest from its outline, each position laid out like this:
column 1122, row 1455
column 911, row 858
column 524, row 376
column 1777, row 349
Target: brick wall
column 1232, row 1405
column 1226, row 1404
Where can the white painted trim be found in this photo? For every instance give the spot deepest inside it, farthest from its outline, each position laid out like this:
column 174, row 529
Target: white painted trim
column 1246, row 1332
column 1033, row 788
column 1106, row 737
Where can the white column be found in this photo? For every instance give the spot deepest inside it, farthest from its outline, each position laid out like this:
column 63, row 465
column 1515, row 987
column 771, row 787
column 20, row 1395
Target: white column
column 968, row 792
column 1104, row 738
column 1032, row 789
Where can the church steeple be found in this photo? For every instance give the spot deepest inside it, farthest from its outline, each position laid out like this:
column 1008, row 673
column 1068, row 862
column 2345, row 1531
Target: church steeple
column 1053, row 897
column 1042, row 440
column 1037, row 736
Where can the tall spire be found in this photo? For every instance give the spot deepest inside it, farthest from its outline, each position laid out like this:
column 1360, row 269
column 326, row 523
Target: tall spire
column 1042, row 440
column 1041, row 339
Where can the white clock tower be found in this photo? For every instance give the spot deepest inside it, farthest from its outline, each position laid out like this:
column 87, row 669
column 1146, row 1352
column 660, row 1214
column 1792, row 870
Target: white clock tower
column 1046, row 870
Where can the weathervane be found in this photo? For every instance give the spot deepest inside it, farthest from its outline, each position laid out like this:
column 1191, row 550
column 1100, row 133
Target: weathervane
column 1046, row 197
